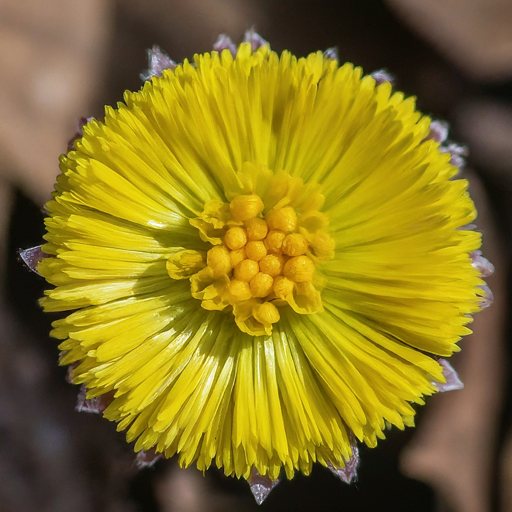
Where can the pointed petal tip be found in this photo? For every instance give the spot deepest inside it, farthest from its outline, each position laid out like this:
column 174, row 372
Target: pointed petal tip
column 147, row 459
column 439, row 131
column 457, row 153
column 332, row 54
column 453, row 381
column 224, row 42
column 96, row 405
column 158, row 62
column 251, row 36
column 261, row 486
column 31, row 257
column 348, row 473
column 483, row 265
column 383, row 75
column 79, row 131
column 487, row 298
column 260, row 492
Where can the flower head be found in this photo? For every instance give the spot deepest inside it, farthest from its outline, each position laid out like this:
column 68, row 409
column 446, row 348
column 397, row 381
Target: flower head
column 263, row 255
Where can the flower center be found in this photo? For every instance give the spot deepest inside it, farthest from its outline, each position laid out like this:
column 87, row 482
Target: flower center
column 260, row 260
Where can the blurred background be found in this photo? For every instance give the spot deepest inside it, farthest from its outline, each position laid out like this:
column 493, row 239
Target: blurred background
column 63, row 59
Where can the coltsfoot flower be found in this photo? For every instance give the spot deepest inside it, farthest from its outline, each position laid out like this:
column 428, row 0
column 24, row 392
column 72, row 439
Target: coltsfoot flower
column 266, row 258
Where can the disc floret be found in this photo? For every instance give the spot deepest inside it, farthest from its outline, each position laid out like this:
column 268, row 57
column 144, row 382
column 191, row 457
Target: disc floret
column 261, row 260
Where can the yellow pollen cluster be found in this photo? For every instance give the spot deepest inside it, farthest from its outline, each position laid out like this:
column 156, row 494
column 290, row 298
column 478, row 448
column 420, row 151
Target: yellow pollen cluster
column 261, row 254
column 259, row 262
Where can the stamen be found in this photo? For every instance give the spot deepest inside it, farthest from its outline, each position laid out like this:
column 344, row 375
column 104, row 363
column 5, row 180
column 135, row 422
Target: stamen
column 261, row 285
column 299, row 269
column 283, row 287
column 255, row 250
column 284, row 219
column 246, row 270
column 239, row 290
column 235, row 238
column 237, row 256
column 246, row 207
column 274, row 240
column 257, row 229
column 272, row 264
column 218, row 259
column 295, row 245
column 266, row 313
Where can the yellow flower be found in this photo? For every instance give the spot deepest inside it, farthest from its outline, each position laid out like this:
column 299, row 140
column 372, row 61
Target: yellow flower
column 263, row 253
